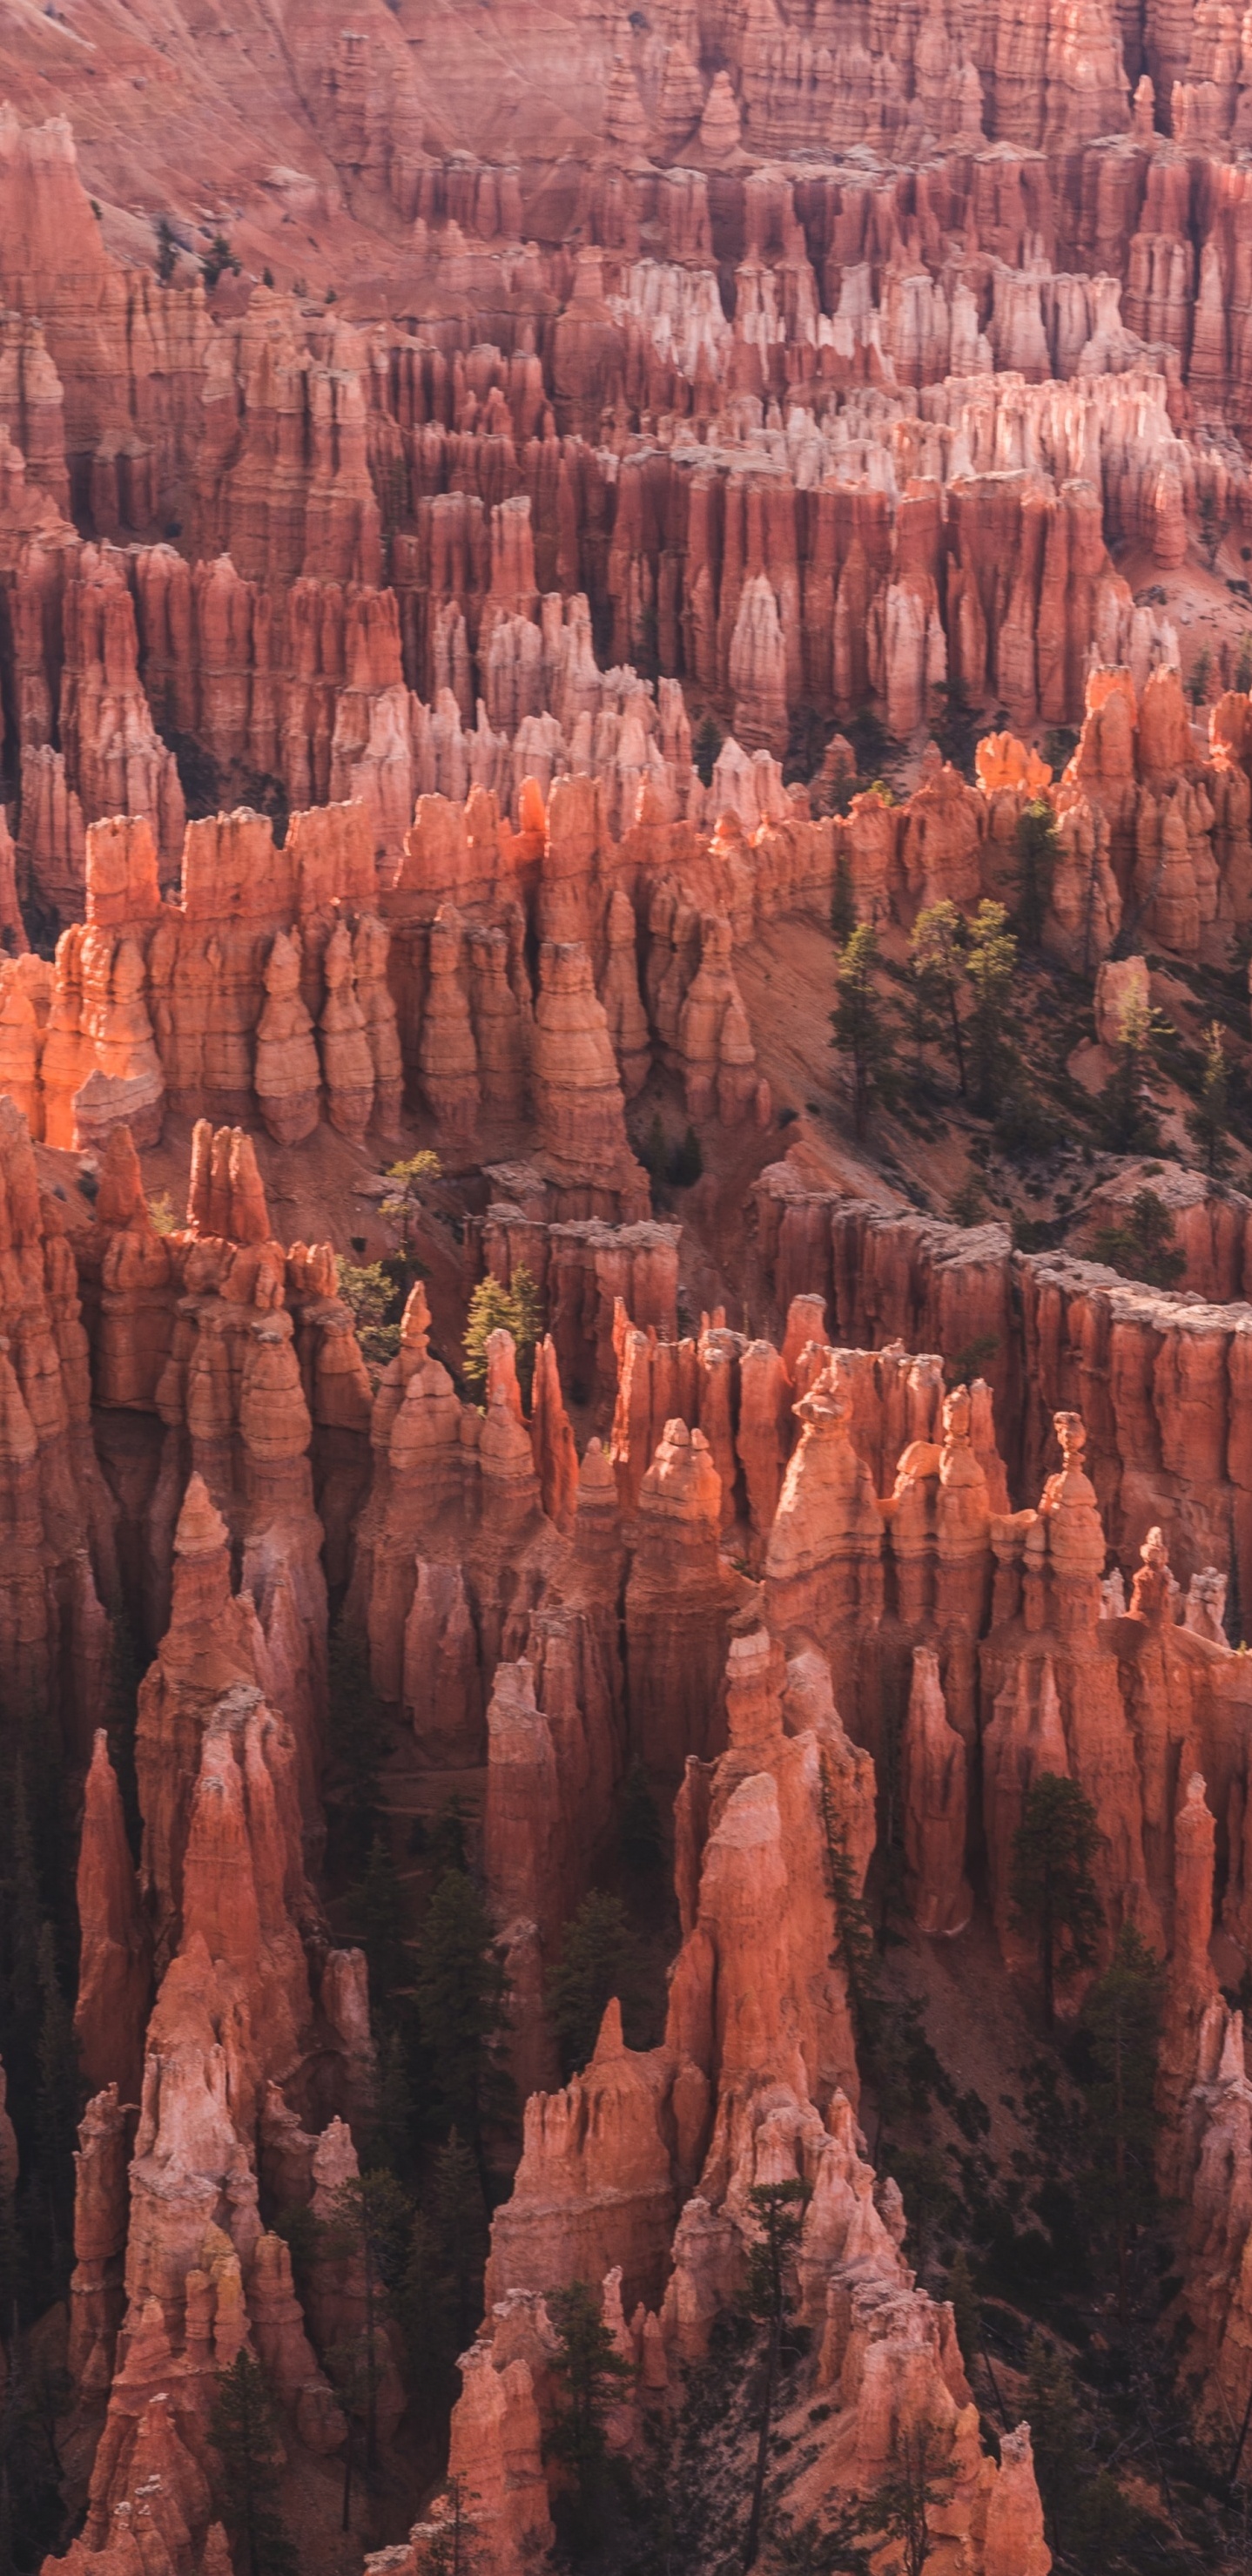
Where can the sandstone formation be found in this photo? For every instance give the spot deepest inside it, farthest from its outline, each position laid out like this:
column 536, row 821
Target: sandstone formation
column 450, row 620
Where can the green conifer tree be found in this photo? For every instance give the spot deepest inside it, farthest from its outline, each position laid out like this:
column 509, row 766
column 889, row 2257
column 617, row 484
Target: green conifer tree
column 600, row 1958
column 589, row 2373
column 462, row 1992
column 246, row 2439
column 1209, row 1122
column 1053, row 1892
column 991, row 965
column 863, row 1035
column 937, row 952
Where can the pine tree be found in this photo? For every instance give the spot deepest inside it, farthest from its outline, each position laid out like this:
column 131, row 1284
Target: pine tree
column 916, row 2486
column 405, row 1198
column 452, row 2551
column 526, row 1327
column 599, row 1959
column 936, row 950
column 589, row 2372
column 1036, row 867
column 1053, row 1892
column 1121, row 2022
column 925, row 1022
column 654, row 1154
column 778, row 2208
column 359, row 1740
column 686, row 1163
column 966, row 2307
column 516, row 1310
column 56, row 2103
column 990, row 966
column 378, row 1923
column 368, row 2222
column 460, row 2217
column 1142, row 1245
column 490, row 1311
column 640, row 1839
column 425, row 2313
column 1052, row 2410
column 861, row 1030
column 842, row 902
column 462, row 1994
column 1126, row 1110
column 1209, row 1121
column 246, row 2439
column 372, row 1299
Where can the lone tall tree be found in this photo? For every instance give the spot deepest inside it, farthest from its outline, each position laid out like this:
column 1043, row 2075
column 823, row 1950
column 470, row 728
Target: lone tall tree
column 462, row 1992
column 246, row 2439
column 1209, row 1121
column 589, row 2372
column 936, row 953
column 990, row 965
column 1053, row 1892
column 1121, row 2023
column 861, row 1032
column 779, row 2210
column 368, row 2223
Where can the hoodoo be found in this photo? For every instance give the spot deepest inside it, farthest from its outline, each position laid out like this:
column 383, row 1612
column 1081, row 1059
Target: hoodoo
column 625, row 1289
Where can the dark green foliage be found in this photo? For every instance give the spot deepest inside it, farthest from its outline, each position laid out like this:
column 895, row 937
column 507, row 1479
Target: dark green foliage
column 937, row 957
column 969, row 1205
column 217, row 259
column 1052, row 2407
column 966, row 2307
column 862, row 1033
column 1212, row 531
column 654, row 1152
column 1053, row 1892
column 842, row 902
column 778, row 2208
column 121, row 1718
column 1208, row 1123
column 599, row 1959
column 167, row 250
column 589, row 2372
column 1024, row 1127
column 32, row 2508
column 373, row 1300
column 990, row 966
column 56, row 2103
column 377, row 1915
column 958, row 729
column 460, row 2216
column 246, row 2439
column 640, row 1837
column 462, row 1994
column 1142, row 1246
column 452, row 2551
column 837, row 2549
column 686, row 1163
column 1127, row 1115
column 705, row 748
column 359, row 1740
column 972, row 1360
column 368, row 2224
column 389, row 2136
column 926, row 1022
column 916, row 2486
column 1036, row 867
column 516, row 1309
column 1120, row 2030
